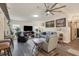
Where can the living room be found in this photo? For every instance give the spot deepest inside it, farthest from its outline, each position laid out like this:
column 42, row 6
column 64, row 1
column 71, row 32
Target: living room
column 28, row 24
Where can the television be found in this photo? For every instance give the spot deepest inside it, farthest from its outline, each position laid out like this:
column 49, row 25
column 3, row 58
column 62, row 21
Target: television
column 27, row 28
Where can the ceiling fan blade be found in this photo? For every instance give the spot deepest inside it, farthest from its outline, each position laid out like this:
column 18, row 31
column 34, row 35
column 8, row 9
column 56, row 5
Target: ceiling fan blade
column 56, row 11
column 53, row 5
column 44, row 13
column 59, row 8
column 45, row 5
column 52, row 13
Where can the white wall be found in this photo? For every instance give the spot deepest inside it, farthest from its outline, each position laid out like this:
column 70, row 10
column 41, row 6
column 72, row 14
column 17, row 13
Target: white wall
column 1, row 25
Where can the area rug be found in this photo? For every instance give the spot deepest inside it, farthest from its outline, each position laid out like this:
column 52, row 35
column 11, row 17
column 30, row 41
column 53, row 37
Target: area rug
column 73, row 51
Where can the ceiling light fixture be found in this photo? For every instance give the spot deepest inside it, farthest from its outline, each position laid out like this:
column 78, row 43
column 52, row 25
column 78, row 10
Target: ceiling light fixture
column 35, row 16
column 48, row 12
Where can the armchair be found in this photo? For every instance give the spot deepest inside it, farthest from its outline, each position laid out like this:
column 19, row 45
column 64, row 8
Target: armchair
column 51, row 43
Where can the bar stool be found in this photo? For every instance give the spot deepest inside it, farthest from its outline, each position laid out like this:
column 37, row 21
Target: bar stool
column 5, row 48
column 60, row 38
column 37, row 46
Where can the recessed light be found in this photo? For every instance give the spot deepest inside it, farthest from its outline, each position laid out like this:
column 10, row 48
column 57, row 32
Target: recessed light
column 35, row 16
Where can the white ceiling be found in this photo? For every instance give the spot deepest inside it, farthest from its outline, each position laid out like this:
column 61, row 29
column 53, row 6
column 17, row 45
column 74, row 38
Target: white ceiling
column 24, row 11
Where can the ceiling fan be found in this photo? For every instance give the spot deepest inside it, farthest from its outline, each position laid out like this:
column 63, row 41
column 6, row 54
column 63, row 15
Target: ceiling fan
column 51, row 9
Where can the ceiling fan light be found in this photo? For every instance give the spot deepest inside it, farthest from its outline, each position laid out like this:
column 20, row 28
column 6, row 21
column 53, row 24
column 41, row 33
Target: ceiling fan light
column 35, row 16
column 48, row 12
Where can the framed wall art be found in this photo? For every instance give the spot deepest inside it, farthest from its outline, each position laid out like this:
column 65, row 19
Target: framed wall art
column 61, row 22
column 50, row 24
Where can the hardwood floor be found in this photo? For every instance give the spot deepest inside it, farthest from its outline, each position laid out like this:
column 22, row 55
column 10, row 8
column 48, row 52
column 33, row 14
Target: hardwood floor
column 70, row 49
column 74, row 44
column 25, row 49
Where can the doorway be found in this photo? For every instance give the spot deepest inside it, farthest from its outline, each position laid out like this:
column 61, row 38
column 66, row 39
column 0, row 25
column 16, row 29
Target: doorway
column 73, row 30
column 77, row 30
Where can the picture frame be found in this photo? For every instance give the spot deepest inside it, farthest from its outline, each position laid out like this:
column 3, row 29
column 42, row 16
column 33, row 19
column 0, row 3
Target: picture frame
column 61, row 22
column 50, row 24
